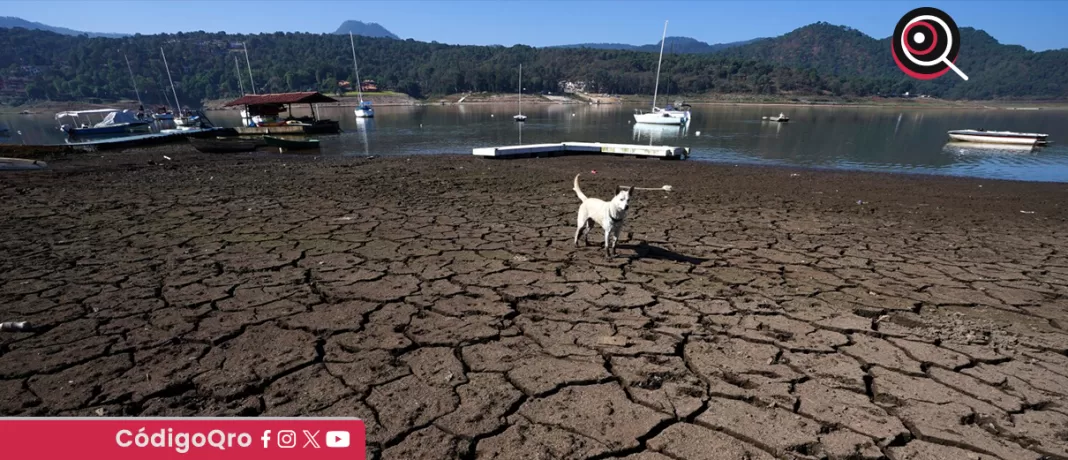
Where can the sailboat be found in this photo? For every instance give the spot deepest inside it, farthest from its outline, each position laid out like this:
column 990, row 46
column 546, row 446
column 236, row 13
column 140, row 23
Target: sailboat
column 140, row 105
column 182, row 121
column 520, row 118
column 364, row 110
column 659, row 116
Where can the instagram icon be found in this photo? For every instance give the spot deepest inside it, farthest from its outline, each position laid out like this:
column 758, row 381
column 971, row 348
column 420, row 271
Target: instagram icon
column 287, row 439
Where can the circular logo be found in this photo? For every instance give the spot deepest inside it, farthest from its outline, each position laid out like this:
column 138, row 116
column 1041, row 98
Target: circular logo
column 925, row 44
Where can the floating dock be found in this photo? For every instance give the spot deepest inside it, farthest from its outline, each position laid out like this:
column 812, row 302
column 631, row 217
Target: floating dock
column 584, row 148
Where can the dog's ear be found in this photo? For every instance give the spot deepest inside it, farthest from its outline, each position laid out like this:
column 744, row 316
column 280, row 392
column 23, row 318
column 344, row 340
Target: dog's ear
column 619, row 188
column 630, row 191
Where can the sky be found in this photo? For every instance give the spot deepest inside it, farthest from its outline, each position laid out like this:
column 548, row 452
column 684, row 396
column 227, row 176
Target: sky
column 1037, row 25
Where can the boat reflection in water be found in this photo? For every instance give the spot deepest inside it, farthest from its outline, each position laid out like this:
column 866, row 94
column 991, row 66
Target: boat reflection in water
column 659, row 134
column 980, row 148
column 363, row 125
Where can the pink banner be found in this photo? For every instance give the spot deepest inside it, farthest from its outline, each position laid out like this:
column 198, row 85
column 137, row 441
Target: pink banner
column 225, row 438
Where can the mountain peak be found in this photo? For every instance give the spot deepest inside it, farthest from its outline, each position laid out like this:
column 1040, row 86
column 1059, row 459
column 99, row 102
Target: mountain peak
column 682, row 45
column 12, row 22
column 366, row 29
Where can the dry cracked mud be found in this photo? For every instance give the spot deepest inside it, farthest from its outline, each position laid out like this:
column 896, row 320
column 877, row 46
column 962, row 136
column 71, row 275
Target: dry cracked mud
column 752, row 312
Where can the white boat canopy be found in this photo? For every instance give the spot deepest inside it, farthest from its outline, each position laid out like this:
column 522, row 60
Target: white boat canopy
column 76, row 113
column 117, row 118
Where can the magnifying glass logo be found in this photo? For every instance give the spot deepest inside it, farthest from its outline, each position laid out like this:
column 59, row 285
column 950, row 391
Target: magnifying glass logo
column 925, row 44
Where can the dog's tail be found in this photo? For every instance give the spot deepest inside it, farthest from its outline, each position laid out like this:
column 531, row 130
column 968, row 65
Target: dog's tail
column 578, row 191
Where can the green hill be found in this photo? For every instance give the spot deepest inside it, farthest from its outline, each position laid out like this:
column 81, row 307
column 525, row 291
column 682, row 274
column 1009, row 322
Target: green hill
column 817, row 59
column 994, row 70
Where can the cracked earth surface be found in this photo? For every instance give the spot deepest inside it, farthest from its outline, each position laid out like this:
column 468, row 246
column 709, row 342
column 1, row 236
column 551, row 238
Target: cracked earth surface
column 752, row 313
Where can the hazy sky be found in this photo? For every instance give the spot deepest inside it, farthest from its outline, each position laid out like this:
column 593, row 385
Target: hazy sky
column 1037, row 25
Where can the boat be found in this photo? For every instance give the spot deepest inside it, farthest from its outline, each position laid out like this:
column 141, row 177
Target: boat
column 285, row 145
column 182, row 121
column 162, row 113
column 520, row 118
column 364, row 110
column 659, row 116
column 114, row 122
column 4, row 130
column 998, row 137
column 782, row 118
column 189, row 121
column 224, row 145
column 140, row 105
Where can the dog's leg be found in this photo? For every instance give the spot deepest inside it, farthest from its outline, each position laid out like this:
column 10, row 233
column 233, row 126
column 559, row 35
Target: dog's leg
column 582, row 224
column 607, row 241
column 586, row 231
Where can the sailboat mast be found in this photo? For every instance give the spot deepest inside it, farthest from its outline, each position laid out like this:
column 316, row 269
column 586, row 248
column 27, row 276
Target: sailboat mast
column 656, row 87
column 520, row 89
column 166, row 98
column 240, row 79
column 249, row 63
column 176, row 103
column 359, row 84
column 138, row 93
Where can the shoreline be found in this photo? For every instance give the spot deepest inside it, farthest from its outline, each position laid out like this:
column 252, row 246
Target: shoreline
column 66, row 153
column 626, row 100
column 69, row 159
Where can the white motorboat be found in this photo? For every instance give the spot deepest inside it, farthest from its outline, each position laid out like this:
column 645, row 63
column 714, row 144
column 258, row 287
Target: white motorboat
column 364, row 110
column 520, row 118
column 658, row 116
column 997, row 137
column 782, row 118
column 113, row 121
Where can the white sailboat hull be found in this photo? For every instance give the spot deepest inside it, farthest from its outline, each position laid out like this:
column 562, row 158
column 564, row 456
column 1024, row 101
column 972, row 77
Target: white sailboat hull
column 364, row 112
column 660, row 118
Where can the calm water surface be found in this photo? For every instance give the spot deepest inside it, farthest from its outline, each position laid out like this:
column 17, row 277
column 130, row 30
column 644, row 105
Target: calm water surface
column 878, row 139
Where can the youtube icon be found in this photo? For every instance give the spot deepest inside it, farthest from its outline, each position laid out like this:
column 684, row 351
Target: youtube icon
column 337, row 439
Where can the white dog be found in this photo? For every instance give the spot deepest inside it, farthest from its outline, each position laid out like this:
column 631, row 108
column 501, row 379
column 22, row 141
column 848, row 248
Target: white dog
column 608, row 214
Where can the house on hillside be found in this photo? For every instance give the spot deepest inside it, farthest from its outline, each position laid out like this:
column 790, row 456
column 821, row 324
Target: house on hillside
column 368, row 86
column 573, row 86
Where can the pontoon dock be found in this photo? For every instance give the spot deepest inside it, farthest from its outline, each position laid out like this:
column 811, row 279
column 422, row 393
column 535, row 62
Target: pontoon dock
column 580, row 148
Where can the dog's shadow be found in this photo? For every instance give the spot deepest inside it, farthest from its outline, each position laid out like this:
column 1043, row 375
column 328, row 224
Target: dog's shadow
column 644, row 250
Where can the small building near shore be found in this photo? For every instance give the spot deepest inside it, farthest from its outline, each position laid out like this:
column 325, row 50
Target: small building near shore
column 262, row 113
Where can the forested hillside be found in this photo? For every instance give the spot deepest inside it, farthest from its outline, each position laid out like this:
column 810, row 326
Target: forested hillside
column 995, row 70
column 58, row 67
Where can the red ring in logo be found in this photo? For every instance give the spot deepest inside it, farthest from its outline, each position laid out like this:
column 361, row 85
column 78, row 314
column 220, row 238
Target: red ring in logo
column 921, row 76
column 934, row 38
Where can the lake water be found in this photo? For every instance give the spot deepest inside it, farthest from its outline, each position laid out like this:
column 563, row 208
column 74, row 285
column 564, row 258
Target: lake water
column 874, row 139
